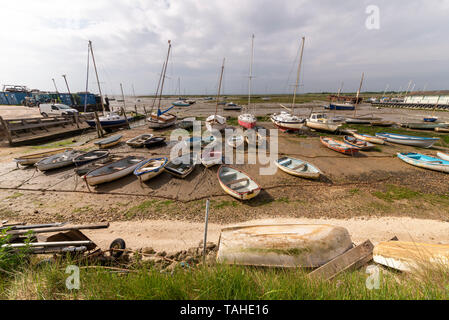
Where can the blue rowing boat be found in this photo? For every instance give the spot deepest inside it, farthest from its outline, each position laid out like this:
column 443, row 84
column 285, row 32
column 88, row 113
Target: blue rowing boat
column 426, row 162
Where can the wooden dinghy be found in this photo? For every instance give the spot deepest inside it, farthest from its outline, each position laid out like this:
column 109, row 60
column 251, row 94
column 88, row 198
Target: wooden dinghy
column 187, row 123
column 113, row 171
column 237, row 183
column 283, row 245
column 426, row 162
column 84, row 169
column 443, row 156
column 358, row 143
column 339, row 146
column 368, row 138
column 36, row 157
column 162, row 121
column 59, row 160
column 91, row 156
column 154, row 142
column 109, row 142
column 182, row 166
column 422, row 142
column 150, row 168
column 235, row 141
column 410, row 256
column 299, row 168
column 210, row 157
column 139, row 141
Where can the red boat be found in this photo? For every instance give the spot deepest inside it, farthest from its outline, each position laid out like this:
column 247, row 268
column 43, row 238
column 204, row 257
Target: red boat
column 247, row 121
column 339, row 146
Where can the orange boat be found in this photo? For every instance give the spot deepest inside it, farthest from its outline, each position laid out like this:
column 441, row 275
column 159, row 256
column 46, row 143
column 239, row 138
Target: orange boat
column 339, row 146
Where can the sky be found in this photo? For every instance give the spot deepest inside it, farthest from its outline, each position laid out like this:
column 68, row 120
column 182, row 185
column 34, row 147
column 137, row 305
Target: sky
column 42, row 40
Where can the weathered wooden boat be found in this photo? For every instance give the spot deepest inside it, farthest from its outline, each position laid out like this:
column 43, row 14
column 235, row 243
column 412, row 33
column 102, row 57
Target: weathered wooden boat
column 232, row 107
column 215, row 122
column 109, row 142
column 298, row 167
column 422, row 142
column 187, row 123
column 138, row 142
column 443, row 156
column 235, row 141
column 150, row 168
column 382, row 123
column 84, row 169
column 154, row 142
column 210, row 157
column 36, row 157
column 237, row 183
column 283, row 245
column 411, row 256
column 59, row 160
column 362, row 120
column 320, row 121
column 358, row 143
column 160, row 121
column 113, row 171
column 182, row 166
column 287, row 121
column 368, row 138
column 339, row 146
column 90, row 156
column 426, row 162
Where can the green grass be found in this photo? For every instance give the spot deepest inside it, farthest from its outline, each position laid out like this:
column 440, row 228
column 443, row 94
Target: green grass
column 220, row 282
column 57, row 144
column 15, row 195
column 395, row 193
column 223, row 204
column 148, row 205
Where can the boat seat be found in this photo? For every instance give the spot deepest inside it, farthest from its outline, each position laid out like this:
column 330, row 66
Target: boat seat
column 231, row 175
column 301, row 166
column 230, row 183
column 285, row 162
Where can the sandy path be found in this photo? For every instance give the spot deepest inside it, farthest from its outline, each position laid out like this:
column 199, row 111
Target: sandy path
column 179, row 235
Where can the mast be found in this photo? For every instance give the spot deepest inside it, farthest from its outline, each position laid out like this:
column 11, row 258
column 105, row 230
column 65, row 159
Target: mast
column 250, row 71
column 68, row 89
column 299, row 72
column 163, row 77
column 87, row 78
column 358, row 93
column 96, row 74
column 339, row 90
column 219, row 86
column 158, row 86
column 123, row 98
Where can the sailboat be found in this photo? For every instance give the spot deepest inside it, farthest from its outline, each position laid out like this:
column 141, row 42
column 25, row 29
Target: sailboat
column 162, row 119
column 287, row 120
column 248, row 120
column 215, row 121
column 109, row 119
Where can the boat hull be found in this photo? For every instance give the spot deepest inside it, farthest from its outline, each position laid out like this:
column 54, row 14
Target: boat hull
column 233, row 190
column 247, row 124
column 309, row 174
column 408, row 140
column 357, row 143
column 94, row 180
column 147, row 175
column 443, row 156
column 282, row 245
column 338, row 146
column 340, row 107
column 367, row 138
column 139, row 141
column 81, row 160
column 290, row 126
column 323, row 126
column 425, row 162
column 35, row 158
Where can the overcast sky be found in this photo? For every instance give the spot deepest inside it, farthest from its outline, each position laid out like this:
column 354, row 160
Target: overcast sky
column 41, row 40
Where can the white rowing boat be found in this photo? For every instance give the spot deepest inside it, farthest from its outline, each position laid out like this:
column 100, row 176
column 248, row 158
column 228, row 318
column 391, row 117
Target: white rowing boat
column 237, row 183
column 151, row 168
column 58, row 160
column 36, row 157
column 113, row 171
column 297, row 167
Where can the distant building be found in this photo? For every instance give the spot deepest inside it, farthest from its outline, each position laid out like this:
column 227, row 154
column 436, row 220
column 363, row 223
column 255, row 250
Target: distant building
column 427, row 100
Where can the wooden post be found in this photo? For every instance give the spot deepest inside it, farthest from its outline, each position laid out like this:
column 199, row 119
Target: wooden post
column 99, row 128
column 145, row 110
column 135, row 108
column 206, row 222
column 126, row 118
column 6, row 129
column 76, row 120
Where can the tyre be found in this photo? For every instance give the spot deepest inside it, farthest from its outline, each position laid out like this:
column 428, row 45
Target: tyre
column 117, row 246
column 44, row 115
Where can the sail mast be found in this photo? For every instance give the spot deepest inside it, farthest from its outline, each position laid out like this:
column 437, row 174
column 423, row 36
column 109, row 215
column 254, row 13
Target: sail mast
column 123, row 97
column 96, row 74
column 299, row 72
column 87, row 78
column 250, row 72
column 358, row 93
column 219, row 86
column 163, row 77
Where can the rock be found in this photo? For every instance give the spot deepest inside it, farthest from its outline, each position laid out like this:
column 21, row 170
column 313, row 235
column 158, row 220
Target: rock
column 148, row 250
column 36, row 211
column 161, row 254
column 211, row 246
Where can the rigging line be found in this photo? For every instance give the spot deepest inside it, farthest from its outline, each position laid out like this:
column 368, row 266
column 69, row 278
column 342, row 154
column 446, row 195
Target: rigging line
column 287, row 86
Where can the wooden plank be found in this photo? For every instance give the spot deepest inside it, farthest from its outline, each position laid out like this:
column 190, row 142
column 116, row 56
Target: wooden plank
column 59, row 229
column 6, row 130
column 350, row 260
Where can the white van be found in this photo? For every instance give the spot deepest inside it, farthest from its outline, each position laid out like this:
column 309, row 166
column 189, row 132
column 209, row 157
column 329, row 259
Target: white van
column 55, row 109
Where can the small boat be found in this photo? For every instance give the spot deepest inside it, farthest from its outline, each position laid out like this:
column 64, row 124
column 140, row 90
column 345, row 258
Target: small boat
column 299, row 168
column 187, row 123
column 109, row 120
column 283, row 245
column 182, row 166
column 198, row 142
column 339, row 146
column 361, row 120
column 358, row 143
column 237, row 183
column 287, row 121
column 422, row 126
column 161, row 121
column 341, row 106
column 414, row 141
column 443, row 156
column 150, row 168
column 410, row 256
column 36, row 157
column 84, row 169
column 368, row 138
column 253, row 137
column 210, row 157
column 109, row 142
column 215, row 122
column 113, row 171
column 235, row 141
column 90, row 156
column 59, row 160
column 320, row 121
column 426, row 162
column 443, row 129
column 247, row 120
column 139, row 141
column 181, row 104
column 154, row 142
column 232, row 106
column 430, row 119
column 382, row 123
